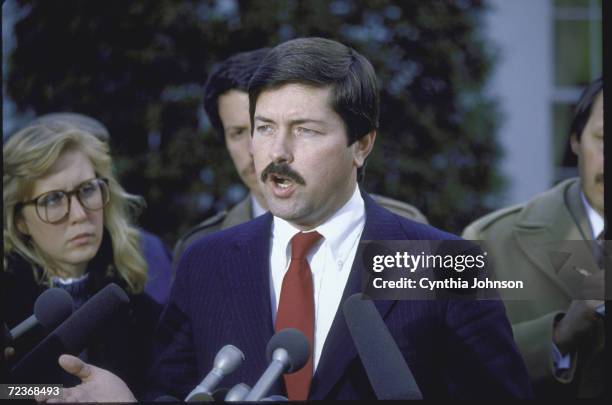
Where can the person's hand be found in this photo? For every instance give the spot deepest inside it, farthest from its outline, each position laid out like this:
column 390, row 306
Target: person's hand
column 97, row 384
column 581, row 316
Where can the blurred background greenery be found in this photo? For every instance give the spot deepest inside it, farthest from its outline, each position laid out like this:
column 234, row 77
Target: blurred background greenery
column 139, row 67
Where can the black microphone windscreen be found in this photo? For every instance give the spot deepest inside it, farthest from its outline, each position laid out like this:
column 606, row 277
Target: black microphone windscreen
column 39, row 366
column 52, row 307
column 71, row 337
column 296, row 345
column 93, row 315
column 387, row 370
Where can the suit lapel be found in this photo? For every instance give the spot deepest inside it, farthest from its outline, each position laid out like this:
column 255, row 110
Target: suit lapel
column 339, row 350
column 534, row 245
column 252, row 276
column 565, row 220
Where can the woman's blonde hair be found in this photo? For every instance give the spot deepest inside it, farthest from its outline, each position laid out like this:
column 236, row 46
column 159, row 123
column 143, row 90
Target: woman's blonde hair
column 28, row 155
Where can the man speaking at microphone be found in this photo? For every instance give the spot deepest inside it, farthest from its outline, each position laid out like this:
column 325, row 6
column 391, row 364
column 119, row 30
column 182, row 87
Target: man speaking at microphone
column 314, row 112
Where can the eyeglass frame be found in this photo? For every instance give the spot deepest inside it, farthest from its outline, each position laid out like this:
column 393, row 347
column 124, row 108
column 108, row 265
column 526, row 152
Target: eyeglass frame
column 69, row 194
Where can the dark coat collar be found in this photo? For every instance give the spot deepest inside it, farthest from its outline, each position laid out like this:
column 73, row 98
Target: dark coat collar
column 100, row 269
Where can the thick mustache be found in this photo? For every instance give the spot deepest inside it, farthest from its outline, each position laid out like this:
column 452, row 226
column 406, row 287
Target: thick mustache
column 282, row 169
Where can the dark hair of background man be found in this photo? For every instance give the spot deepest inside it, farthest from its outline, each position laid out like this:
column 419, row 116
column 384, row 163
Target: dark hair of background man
column 584, row 107
column 233, row 73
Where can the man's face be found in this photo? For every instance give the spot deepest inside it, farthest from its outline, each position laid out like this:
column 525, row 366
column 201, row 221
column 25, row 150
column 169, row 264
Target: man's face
column 302, row 161
column 589, row 150
column 234, row 114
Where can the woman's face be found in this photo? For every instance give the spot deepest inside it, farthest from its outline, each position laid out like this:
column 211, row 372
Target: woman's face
column 74, row 241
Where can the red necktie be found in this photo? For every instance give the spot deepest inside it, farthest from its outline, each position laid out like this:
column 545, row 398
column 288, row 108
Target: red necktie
column 296, row 308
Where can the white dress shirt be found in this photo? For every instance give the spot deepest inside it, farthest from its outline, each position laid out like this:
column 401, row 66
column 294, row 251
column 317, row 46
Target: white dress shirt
column 595, row 219
column 330, row 259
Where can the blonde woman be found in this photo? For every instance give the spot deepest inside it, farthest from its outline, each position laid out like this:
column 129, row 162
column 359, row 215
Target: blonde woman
column 67, row 224
column 156, row 252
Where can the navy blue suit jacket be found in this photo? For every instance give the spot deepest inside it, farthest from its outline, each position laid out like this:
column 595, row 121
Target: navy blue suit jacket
column 221, row 295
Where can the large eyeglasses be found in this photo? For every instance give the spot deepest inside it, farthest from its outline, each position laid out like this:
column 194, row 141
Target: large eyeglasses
column 53, row 207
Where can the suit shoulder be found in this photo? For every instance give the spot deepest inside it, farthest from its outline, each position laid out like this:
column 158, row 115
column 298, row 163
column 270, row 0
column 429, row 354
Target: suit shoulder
column 400, row 208
column 209, row 225
column 246, row 231
column 493, row 223
column 422, row 231
column 541, row 208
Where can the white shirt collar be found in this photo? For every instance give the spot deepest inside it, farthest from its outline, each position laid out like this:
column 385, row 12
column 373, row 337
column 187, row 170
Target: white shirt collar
column 256, row 209
column 69, row 280
column 595, row 220
column 335, row 230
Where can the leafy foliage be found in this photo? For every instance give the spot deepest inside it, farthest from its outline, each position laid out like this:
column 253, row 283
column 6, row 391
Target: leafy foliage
column 139, row 67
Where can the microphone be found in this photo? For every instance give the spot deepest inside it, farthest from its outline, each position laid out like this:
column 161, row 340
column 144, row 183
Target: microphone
column 226, row 362
column 387, row 370
column 167, row 398
column 237, row 393
column 72, row 336
column 51, row 308
column 275, row 398
column 288, row 351
column 240, row 391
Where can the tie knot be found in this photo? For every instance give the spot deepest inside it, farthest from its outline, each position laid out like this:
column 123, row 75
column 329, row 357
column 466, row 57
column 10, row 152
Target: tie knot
column 302, row 242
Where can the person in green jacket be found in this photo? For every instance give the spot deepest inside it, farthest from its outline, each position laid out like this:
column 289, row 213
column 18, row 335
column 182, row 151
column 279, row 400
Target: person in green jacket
column 560, row 337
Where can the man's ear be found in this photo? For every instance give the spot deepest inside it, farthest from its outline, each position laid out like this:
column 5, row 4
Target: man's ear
column 575, row 144
column 362, row 148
